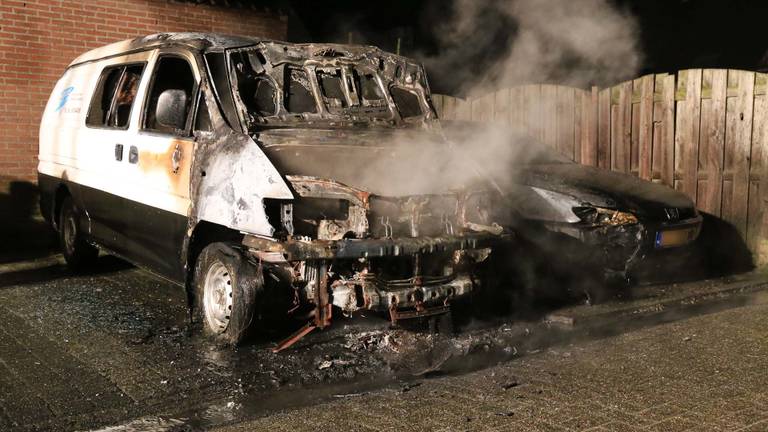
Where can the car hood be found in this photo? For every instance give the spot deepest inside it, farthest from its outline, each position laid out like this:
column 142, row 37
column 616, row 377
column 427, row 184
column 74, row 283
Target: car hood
column 598, row 187
column 383, row 162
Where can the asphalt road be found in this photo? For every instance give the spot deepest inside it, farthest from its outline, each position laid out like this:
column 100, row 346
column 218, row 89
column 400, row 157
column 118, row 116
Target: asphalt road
column 113, row 350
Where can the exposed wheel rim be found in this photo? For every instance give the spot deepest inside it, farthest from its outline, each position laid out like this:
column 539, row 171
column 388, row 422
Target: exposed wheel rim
column 70, row 233
column 217, row 297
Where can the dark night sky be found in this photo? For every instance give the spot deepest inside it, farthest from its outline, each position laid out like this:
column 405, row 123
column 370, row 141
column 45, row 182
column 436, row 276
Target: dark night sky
column 675, row 34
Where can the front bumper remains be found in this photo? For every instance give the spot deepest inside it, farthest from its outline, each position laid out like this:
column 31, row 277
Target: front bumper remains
column 300, row 250
column 419, row 295
column 373, row 294
column 367, row 291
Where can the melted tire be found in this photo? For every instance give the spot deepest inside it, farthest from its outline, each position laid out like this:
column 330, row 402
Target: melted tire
column 78, row 253
column 247, row 284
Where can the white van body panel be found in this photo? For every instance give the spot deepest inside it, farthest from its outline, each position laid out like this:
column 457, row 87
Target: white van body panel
column 243, row 178
column 230, row 194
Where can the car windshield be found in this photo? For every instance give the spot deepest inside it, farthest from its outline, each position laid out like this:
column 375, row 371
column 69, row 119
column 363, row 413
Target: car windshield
column 282, row 86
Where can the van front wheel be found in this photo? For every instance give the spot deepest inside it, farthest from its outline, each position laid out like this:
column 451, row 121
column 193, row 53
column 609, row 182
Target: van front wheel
column 227, row 289
column 77, row 252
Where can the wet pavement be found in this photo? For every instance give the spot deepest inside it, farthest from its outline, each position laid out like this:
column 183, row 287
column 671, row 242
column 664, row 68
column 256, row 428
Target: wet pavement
column 113, row 350
column 707, row 372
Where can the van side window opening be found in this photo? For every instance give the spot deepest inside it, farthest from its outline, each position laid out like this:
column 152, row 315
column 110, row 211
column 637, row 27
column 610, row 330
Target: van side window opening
column 114, row 96
column 264, row 102
column 126, row 94
column 330, row 85
column 407, row 102
column 298, row 92
column 174, row 81
column 254, row 87
column 350, row 88
column 370, row 88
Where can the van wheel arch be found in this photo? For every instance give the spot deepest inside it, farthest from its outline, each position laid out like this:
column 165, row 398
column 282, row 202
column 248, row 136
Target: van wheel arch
column 203, row 234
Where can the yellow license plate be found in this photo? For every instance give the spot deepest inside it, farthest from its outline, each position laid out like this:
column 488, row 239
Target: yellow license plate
column 672, row 238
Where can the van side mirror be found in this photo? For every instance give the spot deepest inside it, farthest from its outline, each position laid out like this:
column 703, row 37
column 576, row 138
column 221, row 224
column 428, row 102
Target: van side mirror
column 171, row 109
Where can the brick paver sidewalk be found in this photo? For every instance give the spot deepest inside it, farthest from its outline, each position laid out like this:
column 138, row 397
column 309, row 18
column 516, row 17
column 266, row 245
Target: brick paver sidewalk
column 708, row 372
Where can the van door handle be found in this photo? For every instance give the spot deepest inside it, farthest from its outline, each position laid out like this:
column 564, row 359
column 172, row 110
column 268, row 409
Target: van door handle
column 118, row 152
column 133, row 155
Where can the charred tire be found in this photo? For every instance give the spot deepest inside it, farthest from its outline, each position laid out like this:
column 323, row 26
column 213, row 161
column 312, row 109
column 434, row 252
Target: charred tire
column 78, row 254
column 228, row 289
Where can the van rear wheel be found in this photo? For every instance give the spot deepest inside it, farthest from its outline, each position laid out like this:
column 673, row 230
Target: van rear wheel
column 227, row 291
column 77, row 252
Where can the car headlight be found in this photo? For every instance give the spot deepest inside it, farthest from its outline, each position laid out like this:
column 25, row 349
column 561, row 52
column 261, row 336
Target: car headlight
column 604, row 216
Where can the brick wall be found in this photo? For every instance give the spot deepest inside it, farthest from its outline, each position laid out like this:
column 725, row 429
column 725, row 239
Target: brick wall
column 38, row 38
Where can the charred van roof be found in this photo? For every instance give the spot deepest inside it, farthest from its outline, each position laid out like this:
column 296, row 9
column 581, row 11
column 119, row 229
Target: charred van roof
column 193, row 40
column 215, row 41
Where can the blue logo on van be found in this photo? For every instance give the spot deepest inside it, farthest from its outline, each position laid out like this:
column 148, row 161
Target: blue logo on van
column 64, row 97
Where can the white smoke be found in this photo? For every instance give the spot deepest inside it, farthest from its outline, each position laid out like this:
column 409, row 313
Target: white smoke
column 569, row 42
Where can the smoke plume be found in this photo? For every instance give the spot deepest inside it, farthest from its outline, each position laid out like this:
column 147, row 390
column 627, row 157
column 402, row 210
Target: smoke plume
column 485, row 45
column 489, row 44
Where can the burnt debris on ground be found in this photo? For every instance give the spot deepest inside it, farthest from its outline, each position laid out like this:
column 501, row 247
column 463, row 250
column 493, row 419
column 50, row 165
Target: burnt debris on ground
column 116, row 345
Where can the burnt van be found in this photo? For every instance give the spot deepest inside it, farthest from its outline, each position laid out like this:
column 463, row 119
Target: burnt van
column 267, row 178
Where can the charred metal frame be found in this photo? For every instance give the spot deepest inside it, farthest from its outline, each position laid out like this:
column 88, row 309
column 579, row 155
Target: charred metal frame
column 300, row 250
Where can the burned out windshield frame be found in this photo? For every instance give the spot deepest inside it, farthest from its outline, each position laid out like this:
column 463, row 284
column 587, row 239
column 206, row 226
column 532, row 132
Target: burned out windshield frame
column 349, row 88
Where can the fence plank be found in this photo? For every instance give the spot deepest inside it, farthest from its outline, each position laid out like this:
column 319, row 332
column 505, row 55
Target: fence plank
column 564, row 136
column 578, row 123
column 757, row 168
column 482, row 108
column 589, row 127
column 645, row 136
column 712, row 140
column 548, row 122
column 449, row 108
column 501, row 106
column 634, row 137
column 688, row 95
column 621, row 126
column 755, row 206
column 437, row 102
column 604, row 129
column 532, row 113
column 516, row 105
column 463, row 110
column 664, row 129
column 738, row 133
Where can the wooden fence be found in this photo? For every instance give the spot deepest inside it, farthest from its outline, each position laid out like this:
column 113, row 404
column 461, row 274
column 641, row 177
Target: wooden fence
column 703, row 132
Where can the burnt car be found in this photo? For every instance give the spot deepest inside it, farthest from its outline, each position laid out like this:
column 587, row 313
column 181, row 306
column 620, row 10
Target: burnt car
column 268, row 178
column 585, row 218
